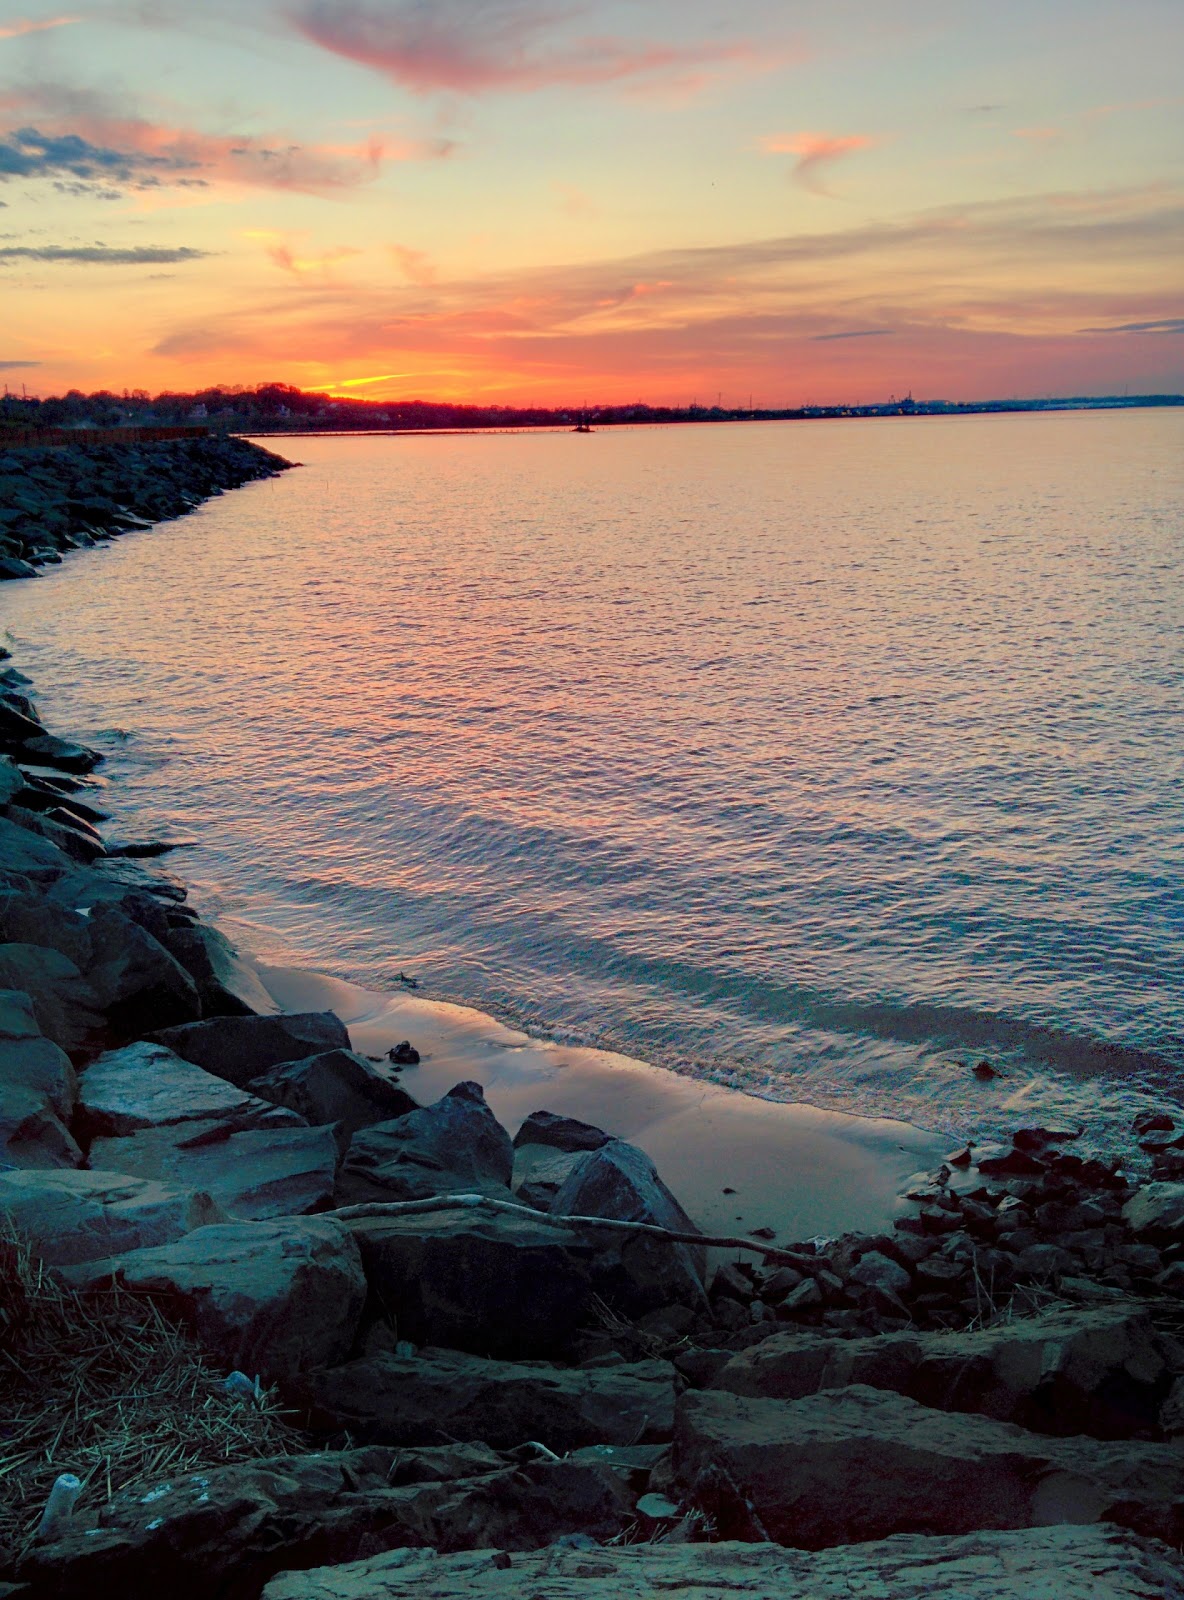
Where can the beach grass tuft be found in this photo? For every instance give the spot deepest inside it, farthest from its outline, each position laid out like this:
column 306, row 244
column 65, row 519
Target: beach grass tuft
column 109, row 1388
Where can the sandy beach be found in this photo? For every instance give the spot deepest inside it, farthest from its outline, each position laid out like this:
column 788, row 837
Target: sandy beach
column 793, row 1168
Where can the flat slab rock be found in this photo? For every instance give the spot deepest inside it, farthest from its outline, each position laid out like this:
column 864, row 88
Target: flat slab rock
column 854, row 1464
column 252, row 1174
column 149, row 1086
column 441, row 1395
column 1100, row 1563
column 72, row 1217
column 266, row 1297
column 1095, row 1370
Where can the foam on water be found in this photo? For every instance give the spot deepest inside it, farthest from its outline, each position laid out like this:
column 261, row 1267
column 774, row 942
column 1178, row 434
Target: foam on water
column 820, row 760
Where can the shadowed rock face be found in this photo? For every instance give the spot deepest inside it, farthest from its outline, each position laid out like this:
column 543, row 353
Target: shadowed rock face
column 441, row 1395
column 242, row 1048
column 149, row 1086
column 1095, row 1370
column 455, row 1146
column 853, row 1464
column 494, row 1284
column 635, row 1273
column 337, row 1087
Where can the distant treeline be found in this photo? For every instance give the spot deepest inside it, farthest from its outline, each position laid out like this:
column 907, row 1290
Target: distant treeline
column 279, row 408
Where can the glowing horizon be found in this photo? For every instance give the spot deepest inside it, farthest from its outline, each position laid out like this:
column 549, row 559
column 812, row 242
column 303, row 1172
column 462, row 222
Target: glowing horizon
column 517, row 201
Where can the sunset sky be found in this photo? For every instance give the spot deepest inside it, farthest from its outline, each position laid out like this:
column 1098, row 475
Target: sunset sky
column 523, row 200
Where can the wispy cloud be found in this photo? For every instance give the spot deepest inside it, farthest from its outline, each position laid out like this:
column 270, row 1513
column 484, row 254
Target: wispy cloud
column 470, row 46
column 20, row 27
column 100, row 254
column 287, row 254
column 415, row 265
column 11, row 366
column 816, row 153
column 1160, row 325
column 853, row 333
column 83, row 136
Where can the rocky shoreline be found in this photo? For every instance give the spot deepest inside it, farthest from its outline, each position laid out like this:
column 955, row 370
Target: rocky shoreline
column 419, row 1356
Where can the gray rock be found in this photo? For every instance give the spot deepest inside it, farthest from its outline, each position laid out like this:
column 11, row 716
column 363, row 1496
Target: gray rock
column 61, row 753
column 228, row 985
column 225, row 1530
column 28, row 853
column 338, row 1087
column 492, row 1283
column 146, row 1085
column 254, row 1173
column 64, row 1004
column 635, row 1273
column 139, row 985
column 242, row 1048
column 27, row 918
column 456, row 1146
column 540, row 1172
column 1156, row 1211
column 442, row 1395
column 567, row 1134
column 876, row 1271
column 788, row 1467
column 1096, row 1563
column 269, row 1297
column 1096, row 1370
column 75, row 1217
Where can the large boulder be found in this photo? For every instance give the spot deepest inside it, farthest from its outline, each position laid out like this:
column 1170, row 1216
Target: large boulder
column 1096, row 1370
column 242, row 1048
column 228, row 985
column 147, row 1085
column 337, row 1087
column 270, row 1297
column 455, row 1146
column 252, row 1173
column 139, row 985
column 29, row 918
column 31, row 855
column 1156, row 1212
column 441, row 1395
column 226, row 1530
column 636, row 1273
column 64, row 1004
column 853, row 1464
column 74, row 1217
column 38, row 1091
column 540, row 1171
column 494, row 1283
column 1101, row 1563
column 567, row 1134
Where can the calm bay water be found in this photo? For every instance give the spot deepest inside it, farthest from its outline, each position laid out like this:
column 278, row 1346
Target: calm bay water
column 822, row 759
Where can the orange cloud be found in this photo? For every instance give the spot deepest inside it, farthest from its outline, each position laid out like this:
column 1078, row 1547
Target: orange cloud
column 815, row 152
column 85, row 136
column 415, row 265
column 20, row 26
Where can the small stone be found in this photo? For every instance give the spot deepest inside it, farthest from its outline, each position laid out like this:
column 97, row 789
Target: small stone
column 1153, row 1122
column 984, row 1070
column 501, row 1560
column 404, row 1054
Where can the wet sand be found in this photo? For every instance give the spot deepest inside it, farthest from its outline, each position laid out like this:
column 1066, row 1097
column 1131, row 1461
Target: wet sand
column 798, row 1170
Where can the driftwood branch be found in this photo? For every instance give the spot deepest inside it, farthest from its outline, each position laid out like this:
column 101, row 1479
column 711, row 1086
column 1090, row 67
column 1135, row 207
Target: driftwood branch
column 486, row 1202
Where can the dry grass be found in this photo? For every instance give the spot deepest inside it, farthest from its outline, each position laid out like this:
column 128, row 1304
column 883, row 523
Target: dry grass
column 108, row 1388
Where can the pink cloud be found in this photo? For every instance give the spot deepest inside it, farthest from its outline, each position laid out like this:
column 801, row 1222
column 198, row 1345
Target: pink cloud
column 474, row 45
column 121, row 149
column 19, row 27
column 415, row 265
column 815, row 152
